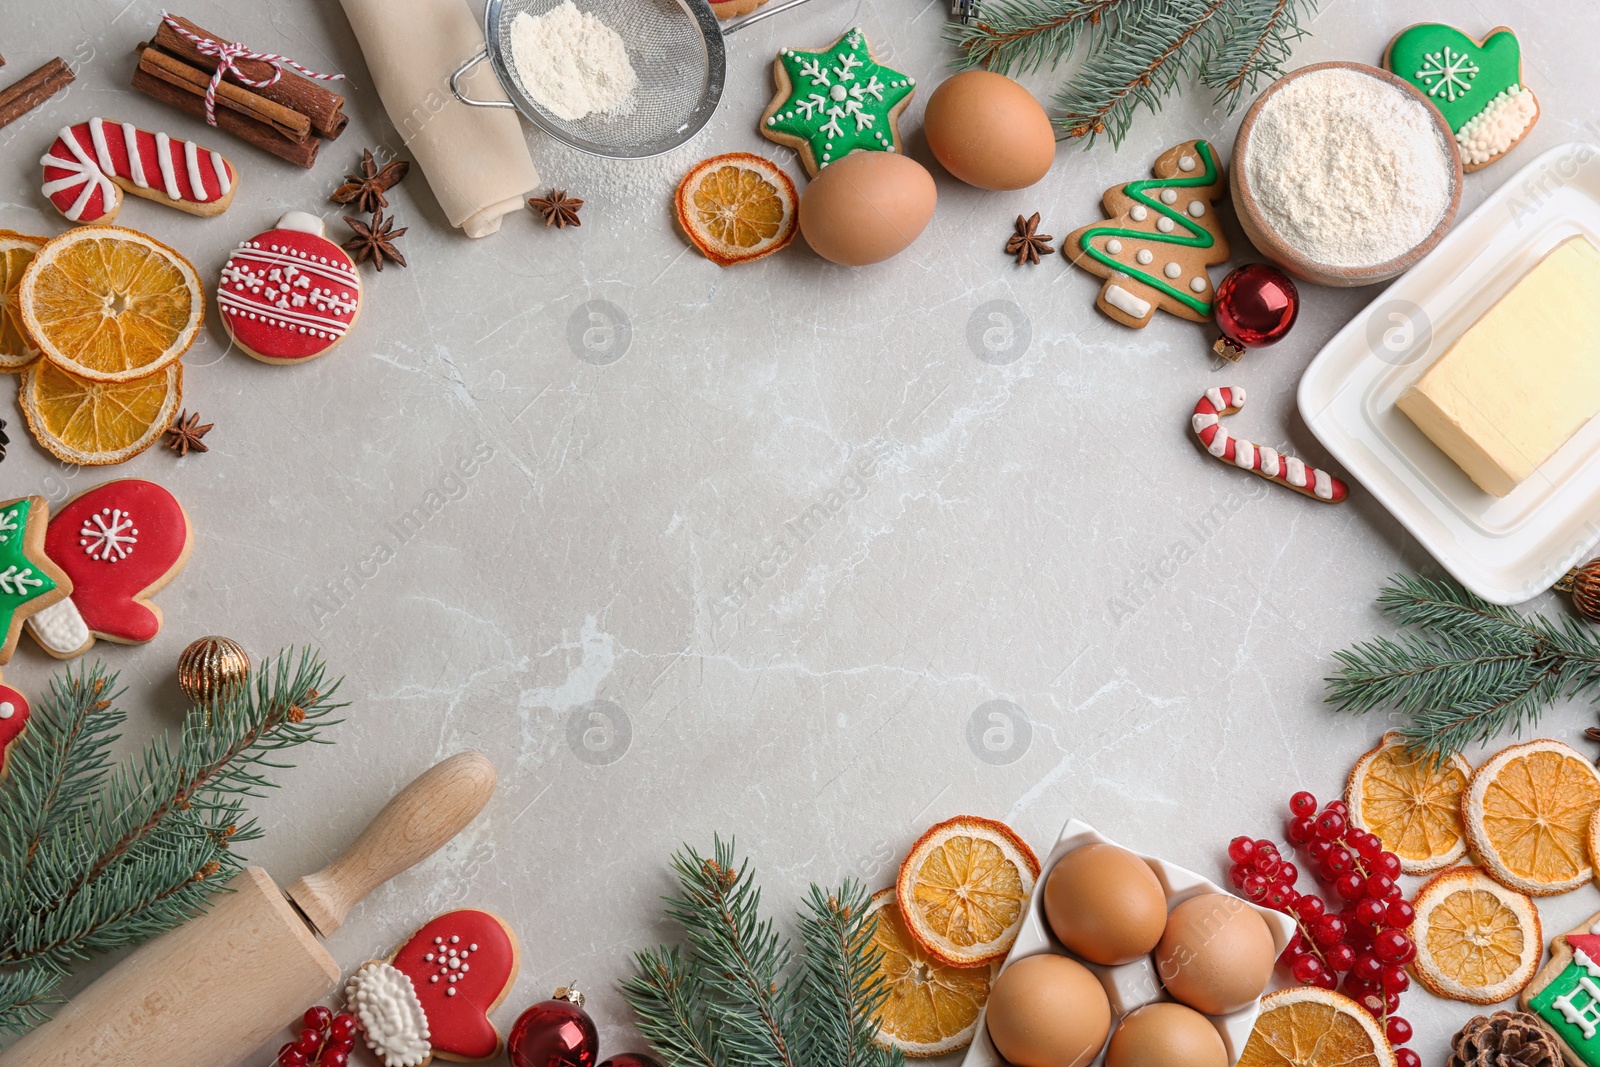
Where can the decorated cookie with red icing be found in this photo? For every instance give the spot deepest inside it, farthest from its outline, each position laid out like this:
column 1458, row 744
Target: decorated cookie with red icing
column 13, row 720
column 119, row 543
column 434, row 995
column 90, row 166
column 289, row 295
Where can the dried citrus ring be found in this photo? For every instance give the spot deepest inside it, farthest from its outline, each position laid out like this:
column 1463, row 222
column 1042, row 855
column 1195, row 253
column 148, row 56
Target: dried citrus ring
column 1306, row 1026
column 16, row 252
column 1476, row 940
column 737, row 207
column 932, row 1008
column 963, row 890
column 96, row 423
column 1412, row 802
column 1527, row 812
column 110, row 304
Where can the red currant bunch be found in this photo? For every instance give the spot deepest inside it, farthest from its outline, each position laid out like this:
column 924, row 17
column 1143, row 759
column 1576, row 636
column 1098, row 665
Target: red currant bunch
column 1365, row 940
column 325, row 1040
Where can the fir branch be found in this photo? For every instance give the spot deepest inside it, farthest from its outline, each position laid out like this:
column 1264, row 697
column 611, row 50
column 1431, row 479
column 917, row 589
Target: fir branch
column 669, row 1001
column 24, row 995
column 841, row 987
column 1253, row 44
column 1473, row 671
column 1024, row 35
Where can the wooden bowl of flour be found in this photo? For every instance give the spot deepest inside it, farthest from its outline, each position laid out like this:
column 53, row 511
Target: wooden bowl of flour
column 1329, row 219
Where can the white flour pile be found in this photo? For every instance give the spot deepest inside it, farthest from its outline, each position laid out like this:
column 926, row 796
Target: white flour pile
column 571, row 63
column 1348, row 169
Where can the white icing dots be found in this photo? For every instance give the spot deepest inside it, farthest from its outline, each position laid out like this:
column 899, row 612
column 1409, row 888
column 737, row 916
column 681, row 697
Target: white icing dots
column 1139, row 213
column 1114, row 246
column 1197, row 208
column 1172, row 270
column 1144, row 256
column 7, row 709
column 1186, row 163
column 1198, row 284
column 1169, row 196
column 1165, row 225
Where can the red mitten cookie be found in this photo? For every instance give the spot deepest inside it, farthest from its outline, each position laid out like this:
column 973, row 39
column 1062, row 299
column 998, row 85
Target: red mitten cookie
column 92, row 164
column 119, row 543
column 13, row 720
column 434, row 995
column 289, row 295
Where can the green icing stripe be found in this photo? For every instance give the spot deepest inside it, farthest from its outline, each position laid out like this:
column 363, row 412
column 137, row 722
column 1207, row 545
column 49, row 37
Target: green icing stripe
column 1543, row 1005
column 1199, row 236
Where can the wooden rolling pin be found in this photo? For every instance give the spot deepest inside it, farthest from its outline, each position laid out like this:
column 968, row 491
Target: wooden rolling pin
column 211, row 991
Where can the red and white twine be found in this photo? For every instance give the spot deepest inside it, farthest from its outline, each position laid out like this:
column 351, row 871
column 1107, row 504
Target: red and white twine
column 227, row 53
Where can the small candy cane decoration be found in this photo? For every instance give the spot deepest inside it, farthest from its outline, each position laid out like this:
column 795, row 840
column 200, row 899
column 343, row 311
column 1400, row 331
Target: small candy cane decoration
column 226, row 52
column 1285, row 470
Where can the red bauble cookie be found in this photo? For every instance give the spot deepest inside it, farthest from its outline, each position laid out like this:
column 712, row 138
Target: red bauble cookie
column 461, row 965
column 289, row 295
column 13, row 720
column 119, row 543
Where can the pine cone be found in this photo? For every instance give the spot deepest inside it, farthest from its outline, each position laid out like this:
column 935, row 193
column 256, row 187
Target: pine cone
column 1504, row 1039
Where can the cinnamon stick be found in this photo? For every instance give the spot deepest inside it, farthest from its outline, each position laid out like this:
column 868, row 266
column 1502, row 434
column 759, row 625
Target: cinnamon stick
column 263, row 136
column 33, row 89
column 192, row 79
column 323, row 106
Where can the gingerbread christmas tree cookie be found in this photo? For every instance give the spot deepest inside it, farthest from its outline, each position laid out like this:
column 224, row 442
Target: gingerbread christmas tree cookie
column 1565, row 996
column 835, row 101
column 29, row 582
column 1162, row 234
column 1476, row 85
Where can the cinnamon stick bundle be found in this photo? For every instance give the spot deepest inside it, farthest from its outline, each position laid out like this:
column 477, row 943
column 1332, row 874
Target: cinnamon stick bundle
column 174, row 71
column 33, row 89
column 262, row 135
column 323, row 106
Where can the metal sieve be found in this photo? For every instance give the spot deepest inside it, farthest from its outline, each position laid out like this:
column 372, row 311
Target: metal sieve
column 675, row 47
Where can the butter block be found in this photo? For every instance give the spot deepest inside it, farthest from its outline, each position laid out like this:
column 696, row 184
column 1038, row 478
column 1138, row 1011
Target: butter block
column 1523, row 379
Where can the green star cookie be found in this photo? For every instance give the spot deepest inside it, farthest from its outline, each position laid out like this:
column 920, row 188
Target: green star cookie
column 836, row 101
column 28, row 580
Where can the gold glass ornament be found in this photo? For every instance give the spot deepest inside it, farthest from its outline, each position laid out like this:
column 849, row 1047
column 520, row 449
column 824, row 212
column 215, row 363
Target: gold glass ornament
column 1583, row 583
column 212, row 669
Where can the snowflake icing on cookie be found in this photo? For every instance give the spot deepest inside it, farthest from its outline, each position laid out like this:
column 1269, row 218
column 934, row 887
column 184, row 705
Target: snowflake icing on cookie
column 840, row 99
column 1447, row 72
column 108, row 535
column 8, row 524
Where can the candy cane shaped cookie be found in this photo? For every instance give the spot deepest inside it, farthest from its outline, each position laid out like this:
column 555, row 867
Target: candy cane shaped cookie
column 1273, row 466
column 91, row 164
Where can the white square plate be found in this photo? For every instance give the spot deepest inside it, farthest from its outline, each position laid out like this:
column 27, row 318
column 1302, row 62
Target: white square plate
column 1505, row 549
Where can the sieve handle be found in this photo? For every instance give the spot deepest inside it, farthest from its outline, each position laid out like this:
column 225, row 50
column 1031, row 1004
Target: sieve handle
column 455, row 84
column 764, row 13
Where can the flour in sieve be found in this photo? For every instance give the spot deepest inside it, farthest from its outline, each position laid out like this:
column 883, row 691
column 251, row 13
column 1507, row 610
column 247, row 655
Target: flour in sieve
column 570, row 62
column 1348, row 169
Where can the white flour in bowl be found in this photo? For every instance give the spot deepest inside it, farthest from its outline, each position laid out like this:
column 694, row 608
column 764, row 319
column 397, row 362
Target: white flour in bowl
column 1348, row 169
column 570, row 62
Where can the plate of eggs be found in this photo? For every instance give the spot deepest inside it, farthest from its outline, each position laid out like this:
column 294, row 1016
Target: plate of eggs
column 1126, row 960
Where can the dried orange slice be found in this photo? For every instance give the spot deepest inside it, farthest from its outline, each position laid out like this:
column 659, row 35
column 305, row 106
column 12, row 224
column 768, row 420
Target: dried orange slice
column 963, row 890
column 16, row 252
column 1310, row 1027
column 1527, row 813
column 1412, row 802
column 737, row 207
column 110, row 304
column 932, row 1008
column 1476, row 940
column 96, row 423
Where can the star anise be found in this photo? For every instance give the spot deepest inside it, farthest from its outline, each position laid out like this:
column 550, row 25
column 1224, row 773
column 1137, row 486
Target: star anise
column 374, row 240
column 183, row 436
column 365, row 190
column 559, row 209
column 1027, row 244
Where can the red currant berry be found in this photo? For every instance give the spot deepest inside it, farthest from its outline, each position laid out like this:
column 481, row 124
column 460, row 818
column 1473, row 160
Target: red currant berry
column 1368, row 968
column 1370, row 913
column 1318, row 850
column 1310, row 907
column 1340, row 957
column 1303, row 803
column 334, row 1057
column 1400, row 914
column 1266, row 863
column 308, row 1043
column 343, row 1028
column 1379, row 886
column 1407, row 1058
column 1339, row 860
column 1241, row 850
column 1350, row 886
column 1398, row 1030
column 1300, row 829
column 317, row 1018
column 1390, row 946
column 1264, row 845
column 1357, row 989
column 1307, row 970
column 1395, row 979
column 1236, row 874
column 289, row 1056
column 1368, row 846
column 1330, row 826
column 1297, row 948
column 1337, row 806
column 1288, row 873
column 1329, row 930
column 1327, row 980
column 1279, row 899
column 1388, row 863
column 1255, row 886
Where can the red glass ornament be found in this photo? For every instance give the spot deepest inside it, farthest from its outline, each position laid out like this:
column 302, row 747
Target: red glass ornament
column 1255, row 307
column 554, row 1033
column 632, row 1059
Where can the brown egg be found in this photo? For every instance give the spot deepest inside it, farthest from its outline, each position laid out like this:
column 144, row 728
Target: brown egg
column 1216, row 955
column 1105, row 904
column 1048, row 1011
column 1166, row 1035
column 989, row 131
column 866, row 207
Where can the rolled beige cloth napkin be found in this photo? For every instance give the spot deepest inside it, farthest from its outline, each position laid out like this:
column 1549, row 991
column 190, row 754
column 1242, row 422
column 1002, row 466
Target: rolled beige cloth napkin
column 475, row 158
